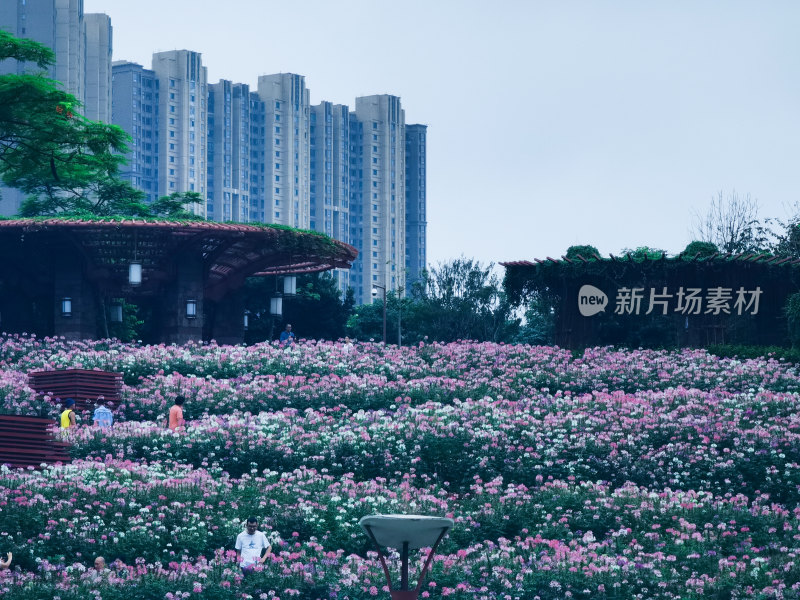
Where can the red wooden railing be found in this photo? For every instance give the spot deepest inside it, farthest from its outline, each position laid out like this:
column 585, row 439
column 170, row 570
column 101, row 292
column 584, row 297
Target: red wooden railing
column 30, row 441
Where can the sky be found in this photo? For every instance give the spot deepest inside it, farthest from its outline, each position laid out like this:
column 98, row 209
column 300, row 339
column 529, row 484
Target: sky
column 550, row 124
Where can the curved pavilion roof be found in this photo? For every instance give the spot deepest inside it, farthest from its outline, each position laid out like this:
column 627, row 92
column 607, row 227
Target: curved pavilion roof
column 230, row 251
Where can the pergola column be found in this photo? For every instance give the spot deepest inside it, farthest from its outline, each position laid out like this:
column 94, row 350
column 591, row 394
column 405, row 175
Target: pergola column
column 178, row 326
column 228, row 326
column 69, row 281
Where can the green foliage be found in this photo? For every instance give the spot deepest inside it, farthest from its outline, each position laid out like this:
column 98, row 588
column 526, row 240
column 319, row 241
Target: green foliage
column 539, row 325
column 318, row 311
column 788, row 241
column 642, row 253
column 130, row 329
column 458, row 300
column 587, row 252
column 700, row 249
column 792, row 311
column 744, row 352
column 174, row 206
column 25, row 50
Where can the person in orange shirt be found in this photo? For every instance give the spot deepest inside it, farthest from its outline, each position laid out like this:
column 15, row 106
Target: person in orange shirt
column 176, row 420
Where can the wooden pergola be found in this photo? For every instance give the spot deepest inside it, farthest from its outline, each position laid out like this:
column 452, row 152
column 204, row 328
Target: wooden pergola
column 686, row 300
column 88, row 262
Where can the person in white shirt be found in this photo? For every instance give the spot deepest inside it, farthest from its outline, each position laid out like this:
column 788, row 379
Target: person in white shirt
column 251, row 544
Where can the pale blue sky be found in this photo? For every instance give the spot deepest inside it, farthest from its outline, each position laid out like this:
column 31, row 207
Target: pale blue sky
column 549, row 123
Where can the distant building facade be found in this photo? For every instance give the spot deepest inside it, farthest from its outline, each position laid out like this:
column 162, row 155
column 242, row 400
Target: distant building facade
column 228, row 152
column 416, row 202
column 97, row 82
column 286, row 121
column 183, row 118
column 135, row 108
column 329, row 205
column 378, row 189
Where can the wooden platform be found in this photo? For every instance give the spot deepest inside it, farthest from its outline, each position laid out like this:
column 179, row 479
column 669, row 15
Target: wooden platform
column 30, row 441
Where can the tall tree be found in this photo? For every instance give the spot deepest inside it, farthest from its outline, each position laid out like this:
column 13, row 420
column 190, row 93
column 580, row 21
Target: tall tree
column 63, row 161
column 460, row 299
column 733, row 224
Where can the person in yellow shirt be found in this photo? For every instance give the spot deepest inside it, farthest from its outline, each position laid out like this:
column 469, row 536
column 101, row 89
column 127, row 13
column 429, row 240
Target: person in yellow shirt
column 68, row 415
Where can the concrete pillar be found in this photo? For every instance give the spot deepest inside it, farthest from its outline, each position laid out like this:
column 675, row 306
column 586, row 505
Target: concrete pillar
column 178, row 327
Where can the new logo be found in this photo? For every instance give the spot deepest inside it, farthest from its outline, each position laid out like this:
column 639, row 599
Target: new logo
column 591, row 300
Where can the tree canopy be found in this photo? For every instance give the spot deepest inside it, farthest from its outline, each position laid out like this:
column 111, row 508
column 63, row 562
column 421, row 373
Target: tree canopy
column 64, row 162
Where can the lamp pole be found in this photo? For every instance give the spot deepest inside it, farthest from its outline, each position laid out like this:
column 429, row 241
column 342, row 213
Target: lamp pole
column 375, row 293
column 399, row 316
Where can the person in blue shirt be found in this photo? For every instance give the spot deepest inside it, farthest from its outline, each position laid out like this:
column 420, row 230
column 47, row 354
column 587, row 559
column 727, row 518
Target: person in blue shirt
column 103, row 417
column 287, row 336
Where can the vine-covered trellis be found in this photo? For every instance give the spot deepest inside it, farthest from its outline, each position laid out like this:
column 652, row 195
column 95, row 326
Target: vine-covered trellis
column 660, row 301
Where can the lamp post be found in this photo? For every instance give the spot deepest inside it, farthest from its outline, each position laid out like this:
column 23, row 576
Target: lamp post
column 404, row 533
column 375, row 288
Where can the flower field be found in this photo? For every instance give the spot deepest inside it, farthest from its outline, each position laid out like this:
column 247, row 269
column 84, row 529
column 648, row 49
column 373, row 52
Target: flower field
column 614, row 474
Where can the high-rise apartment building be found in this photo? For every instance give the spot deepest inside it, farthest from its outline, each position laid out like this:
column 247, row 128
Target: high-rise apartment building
column 228, row 196
column 259, row 201
column 286, row 119
column 183, row 117
column 135, row 101
column 330, row 175
column 97, row 82
column 57, row 24
column 416, row 202
column 378, row 189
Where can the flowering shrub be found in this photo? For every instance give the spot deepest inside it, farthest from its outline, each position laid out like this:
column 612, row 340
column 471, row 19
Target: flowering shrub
column 616, row 474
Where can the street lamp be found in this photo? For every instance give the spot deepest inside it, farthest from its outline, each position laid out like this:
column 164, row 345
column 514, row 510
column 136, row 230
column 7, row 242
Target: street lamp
column 404, row 533
column 375, row 293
